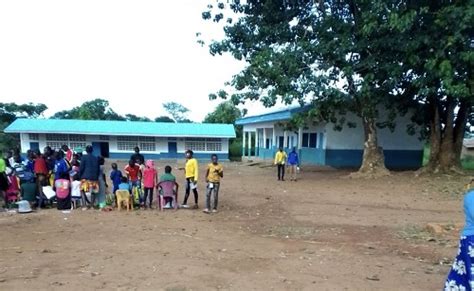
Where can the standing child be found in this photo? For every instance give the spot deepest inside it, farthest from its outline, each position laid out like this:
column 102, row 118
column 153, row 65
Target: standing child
column 150, row 180
column 191, row 172
column 134, row 175
column 13, row 188
column 76, row 188
column 214, row 173
column 280, row 159
column 115, row 176
column 168, row 177
column 293, row 163
column 63, row 191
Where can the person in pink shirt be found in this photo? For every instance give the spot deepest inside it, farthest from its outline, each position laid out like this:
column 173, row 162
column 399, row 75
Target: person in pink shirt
column 150, row 180
column 63, row 191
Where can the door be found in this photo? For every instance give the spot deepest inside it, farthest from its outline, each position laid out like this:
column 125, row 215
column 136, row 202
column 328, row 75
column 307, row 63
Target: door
column 96, row 148
column 104, row 149
column 34, row 146
column 281, row 141
column 172, row 148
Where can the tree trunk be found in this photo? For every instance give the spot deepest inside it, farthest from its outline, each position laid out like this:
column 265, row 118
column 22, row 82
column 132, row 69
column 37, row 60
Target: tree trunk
column 373, row 162
column 435, row 139
column 459, row 130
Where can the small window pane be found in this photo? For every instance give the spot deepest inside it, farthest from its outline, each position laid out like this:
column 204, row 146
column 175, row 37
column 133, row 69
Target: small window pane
column 312, row 140
column 33, row 136
column 305, row 142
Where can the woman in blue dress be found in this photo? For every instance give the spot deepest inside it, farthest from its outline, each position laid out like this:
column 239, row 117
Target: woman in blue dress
column 461, row 277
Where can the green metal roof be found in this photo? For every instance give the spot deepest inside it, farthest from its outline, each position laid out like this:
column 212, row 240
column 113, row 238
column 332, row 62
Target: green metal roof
column 131, row 128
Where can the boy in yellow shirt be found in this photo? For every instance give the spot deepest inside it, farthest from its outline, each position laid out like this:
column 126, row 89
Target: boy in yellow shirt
column 214, row 173
column 280, row 160
column 191, row 172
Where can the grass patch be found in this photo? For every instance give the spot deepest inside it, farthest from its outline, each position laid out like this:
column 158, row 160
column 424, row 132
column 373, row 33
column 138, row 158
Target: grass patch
column 467, row 163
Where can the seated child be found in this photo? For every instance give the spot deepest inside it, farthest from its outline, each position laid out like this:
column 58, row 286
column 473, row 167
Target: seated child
column 124, row 185
column 29, row 191
column 76, row 188
column 63, row 191
column 168, row 176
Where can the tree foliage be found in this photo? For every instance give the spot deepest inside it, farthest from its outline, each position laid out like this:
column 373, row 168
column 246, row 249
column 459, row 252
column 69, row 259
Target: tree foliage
column 97, row 109
column 11, row 111
column 164, row 119
column 177, row 111
column 359, row 56
column 227, row 113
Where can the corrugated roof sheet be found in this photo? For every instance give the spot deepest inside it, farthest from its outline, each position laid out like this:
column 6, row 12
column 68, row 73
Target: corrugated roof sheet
column 133, row 128
column 273, row 116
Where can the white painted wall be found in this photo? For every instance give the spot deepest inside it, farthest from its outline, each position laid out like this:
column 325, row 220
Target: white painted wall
column 353, row 138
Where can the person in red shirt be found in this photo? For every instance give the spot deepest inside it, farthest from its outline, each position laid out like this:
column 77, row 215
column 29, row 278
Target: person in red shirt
column 150, row 180
column 134, row 176
column 41, row 172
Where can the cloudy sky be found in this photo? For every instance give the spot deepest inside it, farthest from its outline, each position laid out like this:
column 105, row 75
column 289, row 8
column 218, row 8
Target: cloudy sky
column 136, row 54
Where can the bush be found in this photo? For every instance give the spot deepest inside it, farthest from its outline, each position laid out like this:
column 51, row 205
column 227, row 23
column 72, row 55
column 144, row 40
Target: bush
column 235, row 149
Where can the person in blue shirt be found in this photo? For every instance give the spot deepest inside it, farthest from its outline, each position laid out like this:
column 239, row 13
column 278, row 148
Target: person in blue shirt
column 60, row 165
column 461, row 276
column 124, row 184
column 293, row 164
column 115, row 176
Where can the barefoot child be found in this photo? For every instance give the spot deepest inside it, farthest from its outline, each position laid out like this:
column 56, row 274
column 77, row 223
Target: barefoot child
column 115, row 176
column 150, row 180
column 214, row 173
column 168, row 176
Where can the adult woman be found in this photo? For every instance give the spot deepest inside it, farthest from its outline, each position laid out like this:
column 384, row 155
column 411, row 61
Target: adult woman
column 460, row 277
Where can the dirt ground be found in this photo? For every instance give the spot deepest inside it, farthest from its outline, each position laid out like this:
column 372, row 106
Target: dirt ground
column 324, row 232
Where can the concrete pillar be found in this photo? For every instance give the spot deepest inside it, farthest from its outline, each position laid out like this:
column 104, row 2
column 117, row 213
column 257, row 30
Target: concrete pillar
column 285, row 139
column 300, row 137
column 249, row 145
column 274, row 143
column 264, row 138
column 257, row 142
column 243, row 144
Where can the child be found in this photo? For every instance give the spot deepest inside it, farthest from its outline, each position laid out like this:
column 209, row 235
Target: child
column 76, row 188
column 102, row 182
column 280, row 159
column 134, row 176
column 293, row 163
column 124, row 184
column 13, row 188
column 191, row 173
column 115, row 176
column 150, row 180
column 63, row 191
column 167, row 176
column 214, row 173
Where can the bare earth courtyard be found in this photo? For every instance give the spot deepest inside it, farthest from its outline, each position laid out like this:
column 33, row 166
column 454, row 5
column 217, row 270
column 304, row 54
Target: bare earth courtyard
column 324, row 232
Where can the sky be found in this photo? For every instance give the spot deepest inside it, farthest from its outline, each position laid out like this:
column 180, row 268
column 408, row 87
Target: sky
column 135, row 54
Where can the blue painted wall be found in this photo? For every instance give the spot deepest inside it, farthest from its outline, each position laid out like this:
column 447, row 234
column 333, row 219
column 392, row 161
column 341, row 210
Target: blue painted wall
column 394, row 159
column 312, row 156
column 199, row 156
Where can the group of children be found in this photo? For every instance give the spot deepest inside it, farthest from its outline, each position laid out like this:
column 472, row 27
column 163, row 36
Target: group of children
column 141, row 180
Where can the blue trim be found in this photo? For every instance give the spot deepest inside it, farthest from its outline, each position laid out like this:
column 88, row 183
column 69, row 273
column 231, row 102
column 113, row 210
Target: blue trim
column 160, row 156
column 394, row 159
column 273, row 116
column 312, row 156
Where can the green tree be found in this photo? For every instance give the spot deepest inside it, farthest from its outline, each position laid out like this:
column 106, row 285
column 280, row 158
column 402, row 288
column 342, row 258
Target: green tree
column 226, row 112
column 439, row 65
column 164, row 119
column 97, row 109
column 133, row 117
column 11, row 111
column 341, row 55
column 177, row 111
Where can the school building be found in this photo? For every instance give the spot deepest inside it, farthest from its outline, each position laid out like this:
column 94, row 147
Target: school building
column 321, row 144
column 117, row 139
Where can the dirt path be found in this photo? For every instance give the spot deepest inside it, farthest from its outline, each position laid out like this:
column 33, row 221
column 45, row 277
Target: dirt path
column 324, row 232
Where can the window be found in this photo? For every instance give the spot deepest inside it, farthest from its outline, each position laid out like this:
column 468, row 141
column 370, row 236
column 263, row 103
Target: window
column 77, row 137
column 147, row 138
column 203, row 145
column 214, row 146
column 126, row 146
column 195, row 144
column 75, row 145
column 54, row 144
column 104, row 137
column 281, row 141
column 148, row 146
column 127, row 138
column 57, row 137
column 33, row 136
column 309, row 140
